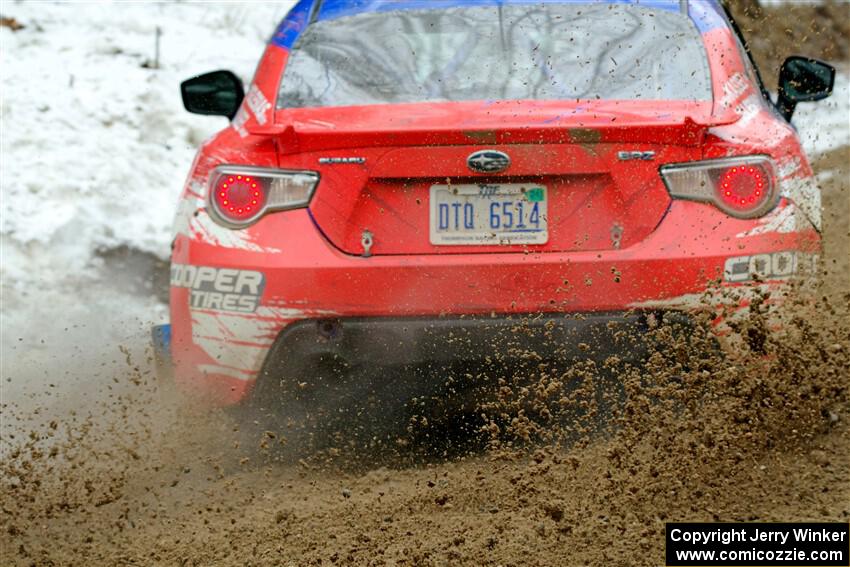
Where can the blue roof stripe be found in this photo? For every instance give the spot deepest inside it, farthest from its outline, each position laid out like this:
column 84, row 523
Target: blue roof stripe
column 706, row 14
column 293, row 24
column 332, row 9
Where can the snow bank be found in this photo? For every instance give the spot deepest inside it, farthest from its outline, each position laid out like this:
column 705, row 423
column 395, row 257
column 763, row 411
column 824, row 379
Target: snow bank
column 95, row 146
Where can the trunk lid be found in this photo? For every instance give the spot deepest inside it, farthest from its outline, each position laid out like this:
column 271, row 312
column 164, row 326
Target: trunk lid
column 594, row 167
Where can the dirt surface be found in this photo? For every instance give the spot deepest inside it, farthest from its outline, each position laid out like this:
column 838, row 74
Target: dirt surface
column 142, row 478
column 761, row 437
column 796, row 28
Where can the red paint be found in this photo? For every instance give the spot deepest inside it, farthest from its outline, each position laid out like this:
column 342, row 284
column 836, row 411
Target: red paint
column 311, row 257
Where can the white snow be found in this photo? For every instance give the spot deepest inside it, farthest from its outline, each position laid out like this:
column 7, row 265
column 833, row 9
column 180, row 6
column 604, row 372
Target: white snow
column 825, row 125
column 95, row 146
column 95, row 149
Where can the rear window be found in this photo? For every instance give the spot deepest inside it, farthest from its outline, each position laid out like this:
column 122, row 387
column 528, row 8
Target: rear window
column 509, row 52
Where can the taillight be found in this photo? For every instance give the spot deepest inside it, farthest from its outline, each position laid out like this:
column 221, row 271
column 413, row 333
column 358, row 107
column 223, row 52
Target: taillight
column 238, row 196
column 742, row 187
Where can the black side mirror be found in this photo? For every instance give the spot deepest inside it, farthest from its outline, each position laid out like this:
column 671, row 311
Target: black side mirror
column 218, row 93
column 803, row 79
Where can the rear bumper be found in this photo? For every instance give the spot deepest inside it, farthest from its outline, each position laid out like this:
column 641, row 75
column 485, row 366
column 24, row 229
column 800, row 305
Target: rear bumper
column 432, row 341
column 446, row 358
column 226, row 323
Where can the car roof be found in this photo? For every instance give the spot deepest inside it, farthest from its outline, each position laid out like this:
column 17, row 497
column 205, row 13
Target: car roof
column 706, row 14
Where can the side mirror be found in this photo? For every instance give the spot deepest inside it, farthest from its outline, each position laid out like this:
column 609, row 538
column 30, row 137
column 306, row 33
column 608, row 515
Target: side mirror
column 802, row 79
column 218, row 93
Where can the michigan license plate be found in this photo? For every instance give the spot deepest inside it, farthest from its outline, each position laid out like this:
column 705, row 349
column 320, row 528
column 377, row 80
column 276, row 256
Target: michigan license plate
column 504, row 213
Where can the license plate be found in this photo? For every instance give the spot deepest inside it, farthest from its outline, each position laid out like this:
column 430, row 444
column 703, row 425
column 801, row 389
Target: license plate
column 504, row 213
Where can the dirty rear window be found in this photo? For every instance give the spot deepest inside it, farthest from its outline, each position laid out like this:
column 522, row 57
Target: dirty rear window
column 542, row 52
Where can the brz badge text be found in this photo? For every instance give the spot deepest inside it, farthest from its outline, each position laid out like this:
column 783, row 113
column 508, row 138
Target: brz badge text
column 642, row 156
column 336, row 160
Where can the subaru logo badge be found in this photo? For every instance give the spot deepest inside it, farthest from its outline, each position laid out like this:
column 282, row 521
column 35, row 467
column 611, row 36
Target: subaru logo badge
column 488, row 161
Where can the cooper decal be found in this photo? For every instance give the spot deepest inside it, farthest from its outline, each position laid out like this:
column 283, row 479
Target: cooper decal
column 748, row 108
column 258, row 103
column 774, row 265
column 219, row 289
column 239, row 121
column 733, row 88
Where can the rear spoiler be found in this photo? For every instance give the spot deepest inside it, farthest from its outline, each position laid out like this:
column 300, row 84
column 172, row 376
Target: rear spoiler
column 295, row 138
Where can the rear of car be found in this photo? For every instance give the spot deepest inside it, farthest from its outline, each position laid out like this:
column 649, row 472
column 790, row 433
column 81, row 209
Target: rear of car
column 411, row 190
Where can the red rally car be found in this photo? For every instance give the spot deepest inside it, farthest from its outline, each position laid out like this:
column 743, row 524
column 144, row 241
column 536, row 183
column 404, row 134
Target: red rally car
column 401, row 174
